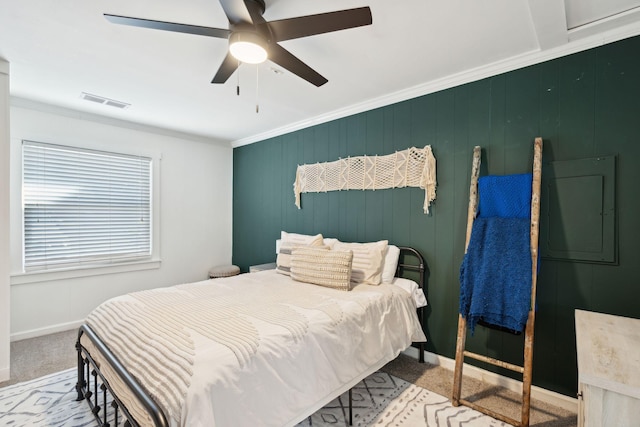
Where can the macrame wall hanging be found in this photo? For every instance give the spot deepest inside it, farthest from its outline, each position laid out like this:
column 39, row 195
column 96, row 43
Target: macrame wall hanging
column 413, row 167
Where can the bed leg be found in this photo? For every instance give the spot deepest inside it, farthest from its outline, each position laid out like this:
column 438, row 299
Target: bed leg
column 350, row 409
column 421, row 350
column 96, row 407
column 81, row 380
column 115, row 407
column 105, row 422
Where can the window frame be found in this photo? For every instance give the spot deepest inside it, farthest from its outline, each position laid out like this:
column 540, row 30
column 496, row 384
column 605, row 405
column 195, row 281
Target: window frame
column 99, row 268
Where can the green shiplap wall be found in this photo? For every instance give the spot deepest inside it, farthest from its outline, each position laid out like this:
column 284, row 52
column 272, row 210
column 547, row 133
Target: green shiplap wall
column 584, row 105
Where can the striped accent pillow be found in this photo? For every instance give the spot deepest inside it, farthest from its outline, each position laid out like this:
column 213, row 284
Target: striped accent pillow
column 368, row 260
column 291, row 241
column 322, row 267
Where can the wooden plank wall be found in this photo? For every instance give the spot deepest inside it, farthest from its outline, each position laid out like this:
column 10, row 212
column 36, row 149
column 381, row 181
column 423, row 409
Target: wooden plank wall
column 583, row 105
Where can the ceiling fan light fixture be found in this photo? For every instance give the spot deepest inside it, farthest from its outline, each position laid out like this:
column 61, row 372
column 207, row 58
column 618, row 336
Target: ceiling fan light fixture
column 252, row 39
column 248, row 47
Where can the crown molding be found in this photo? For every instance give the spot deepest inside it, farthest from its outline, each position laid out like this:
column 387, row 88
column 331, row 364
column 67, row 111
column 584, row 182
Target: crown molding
column 97, row 118
column 580, row 39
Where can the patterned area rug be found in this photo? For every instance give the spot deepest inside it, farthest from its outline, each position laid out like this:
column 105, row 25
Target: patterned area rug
column 380, row 399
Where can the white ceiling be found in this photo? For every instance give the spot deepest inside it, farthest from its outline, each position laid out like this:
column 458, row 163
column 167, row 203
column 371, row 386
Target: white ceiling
column 59, row 49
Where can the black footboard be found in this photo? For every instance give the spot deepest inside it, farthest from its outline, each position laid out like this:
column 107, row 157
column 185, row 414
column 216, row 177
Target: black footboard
column 104, row 403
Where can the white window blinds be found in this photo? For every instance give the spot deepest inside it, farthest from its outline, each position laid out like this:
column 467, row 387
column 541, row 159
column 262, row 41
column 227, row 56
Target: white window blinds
column 84, row 207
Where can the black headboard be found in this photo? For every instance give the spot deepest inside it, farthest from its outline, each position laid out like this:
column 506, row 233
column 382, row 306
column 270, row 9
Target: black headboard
column 411, row 260
column 406, row 253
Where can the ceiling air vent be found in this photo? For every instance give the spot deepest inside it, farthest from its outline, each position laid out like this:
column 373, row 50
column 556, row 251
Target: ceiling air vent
column 103, row 100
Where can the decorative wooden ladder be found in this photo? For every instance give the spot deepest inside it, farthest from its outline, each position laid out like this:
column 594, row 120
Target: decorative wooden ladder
column 461, row 353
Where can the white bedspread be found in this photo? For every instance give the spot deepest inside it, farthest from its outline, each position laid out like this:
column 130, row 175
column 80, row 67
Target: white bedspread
column 254, row 349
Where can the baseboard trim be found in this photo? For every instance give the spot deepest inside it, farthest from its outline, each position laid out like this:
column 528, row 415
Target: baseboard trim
column 33, row 333
column 5, row 374
column 537, row 393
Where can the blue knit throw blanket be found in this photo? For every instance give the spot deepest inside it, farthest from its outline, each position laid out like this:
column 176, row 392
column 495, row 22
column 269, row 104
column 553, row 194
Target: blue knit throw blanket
column 495, row 275
column 505, row 196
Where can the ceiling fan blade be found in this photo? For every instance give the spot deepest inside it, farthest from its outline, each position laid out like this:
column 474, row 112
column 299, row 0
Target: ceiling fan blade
column 236, row 11
column 256, row 10
column 228, row 66
column 285, row 59
column 169, row 26
column 303, row 26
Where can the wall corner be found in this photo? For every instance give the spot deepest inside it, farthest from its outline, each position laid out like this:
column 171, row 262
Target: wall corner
column 5, row 295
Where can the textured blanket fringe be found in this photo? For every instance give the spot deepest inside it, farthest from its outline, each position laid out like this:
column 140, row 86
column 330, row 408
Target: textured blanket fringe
column 413, row 167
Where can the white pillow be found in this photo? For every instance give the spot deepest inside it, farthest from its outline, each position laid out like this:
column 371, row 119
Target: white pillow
column 290, row 241
column 412, row 288
column 390, row 263
column 367, row 260
column 327, row 241
column 304, row 239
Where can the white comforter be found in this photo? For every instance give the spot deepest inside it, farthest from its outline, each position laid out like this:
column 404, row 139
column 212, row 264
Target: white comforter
column 255, row 349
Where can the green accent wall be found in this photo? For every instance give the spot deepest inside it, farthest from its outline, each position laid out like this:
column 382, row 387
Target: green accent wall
column 583, row 106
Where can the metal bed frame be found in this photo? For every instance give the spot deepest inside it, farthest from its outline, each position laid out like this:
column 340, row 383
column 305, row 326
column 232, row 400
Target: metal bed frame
column 110, row 411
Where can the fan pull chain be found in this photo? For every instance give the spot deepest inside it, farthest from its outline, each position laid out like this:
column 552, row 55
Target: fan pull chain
column 257, row 85
column 238, row 77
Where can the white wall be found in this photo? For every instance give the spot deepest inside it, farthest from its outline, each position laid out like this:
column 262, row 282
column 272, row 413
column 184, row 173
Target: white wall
column 4, row 221
column 195, row 215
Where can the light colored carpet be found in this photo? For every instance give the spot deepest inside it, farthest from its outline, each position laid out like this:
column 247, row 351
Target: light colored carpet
column 36, row 357
column 380, row 399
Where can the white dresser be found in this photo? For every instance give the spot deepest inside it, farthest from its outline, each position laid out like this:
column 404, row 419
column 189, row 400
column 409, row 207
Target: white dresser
column 608, row 370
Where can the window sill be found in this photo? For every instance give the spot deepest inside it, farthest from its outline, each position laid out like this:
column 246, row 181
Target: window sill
column 96, row 270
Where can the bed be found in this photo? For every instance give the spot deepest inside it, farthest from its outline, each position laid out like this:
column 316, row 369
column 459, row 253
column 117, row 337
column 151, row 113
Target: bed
column 253, row 349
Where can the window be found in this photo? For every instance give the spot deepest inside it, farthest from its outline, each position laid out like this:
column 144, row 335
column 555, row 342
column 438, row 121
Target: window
column 84, row 207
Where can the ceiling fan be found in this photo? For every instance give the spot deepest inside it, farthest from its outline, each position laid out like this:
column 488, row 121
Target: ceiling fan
column 253, row 40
